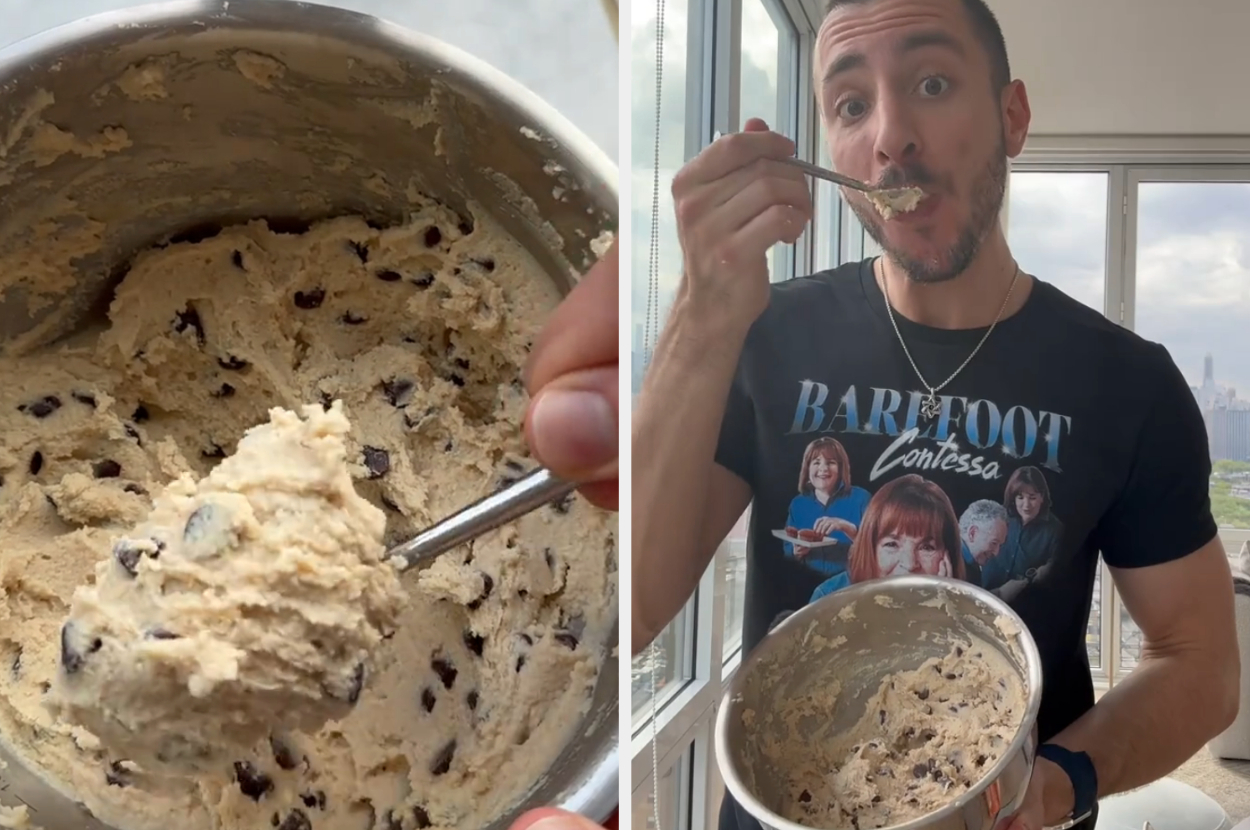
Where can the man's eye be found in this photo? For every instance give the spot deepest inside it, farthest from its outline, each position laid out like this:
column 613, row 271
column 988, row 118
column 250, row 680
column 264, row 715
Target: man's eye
column 934, row 85
column 853, row 108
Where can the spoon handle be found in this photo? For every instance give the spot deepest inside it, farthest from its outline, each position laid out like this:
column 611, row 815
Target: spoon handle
column 828, row 175
column 523, row 496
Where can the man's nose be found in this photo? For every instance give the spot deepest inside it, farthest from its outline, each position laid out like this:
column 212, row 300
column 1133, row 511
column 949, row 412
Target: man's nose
column 898, row 139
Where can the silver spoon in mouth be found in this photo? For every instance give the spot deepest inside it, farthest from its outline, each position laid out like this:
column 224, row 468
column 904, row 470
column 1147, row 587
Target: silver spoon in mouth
column 523, row 496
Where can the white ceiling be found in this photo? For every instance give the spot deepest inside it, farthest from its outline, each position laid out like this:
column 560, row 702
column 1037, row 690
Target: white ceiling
column 1132, row 67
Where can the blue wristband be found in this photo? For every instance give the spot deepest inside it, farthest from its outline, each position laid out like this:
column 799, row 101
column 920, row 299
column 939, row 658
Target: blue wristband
column 1079, row 768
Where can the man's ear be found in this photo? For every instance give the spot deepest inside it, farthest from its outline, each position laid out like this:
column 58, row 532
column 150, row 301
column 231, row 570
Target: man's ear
column 1017, row 116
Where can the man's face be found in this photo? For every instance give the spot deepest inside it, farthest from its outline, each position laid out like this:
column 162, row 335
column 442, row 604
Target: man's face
column 906, row 95
column 986, row 539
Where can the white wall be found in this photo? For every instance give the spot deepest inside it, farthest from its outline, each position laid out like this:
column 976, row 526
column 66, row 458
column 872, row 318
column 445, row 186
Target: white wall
column 1125, row 67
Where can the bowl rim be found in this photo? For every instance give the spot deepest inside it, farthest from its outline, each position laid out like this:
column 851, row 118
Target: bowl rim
column 1033, row 693
column 595, row 794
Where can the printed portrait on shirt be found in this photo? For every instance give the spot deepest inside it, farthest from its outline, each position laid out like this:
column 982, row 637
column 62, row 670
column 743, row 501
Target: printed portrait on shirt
column 827, row 510
column 909, row 527
column 1033, row 537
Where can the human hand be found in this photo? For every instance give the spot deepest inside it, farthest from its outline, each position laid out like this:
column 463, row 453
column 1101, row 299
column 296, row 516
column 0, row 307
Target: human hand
column 1047, row 802
column 549, row 818
column 828, row 525
column 572, row 377
column 800, row 551
column 734, row 201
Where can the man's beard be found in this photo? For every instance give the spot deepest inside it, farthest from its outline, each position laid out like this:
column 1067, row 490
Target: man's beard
column 988, row 193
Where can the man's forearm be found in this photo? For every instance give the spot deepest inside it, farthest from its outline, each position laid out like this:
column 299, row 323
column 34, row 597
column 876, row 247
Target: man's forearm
column 1157, row 718
column 676, row 428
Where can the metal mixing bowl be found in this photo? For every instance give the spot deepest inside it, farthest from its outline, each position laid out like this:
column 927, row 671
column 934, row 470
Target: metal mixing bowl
column 316, row 145
column 880, row 639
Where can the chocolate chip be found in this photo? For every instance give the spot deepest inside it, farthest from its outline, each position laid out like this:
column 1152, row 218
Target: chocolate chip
column 134, row 434
column 317, row 799
column 128, row 553
column 919, row 771
column 141, row 414
column 448, row 447
column 36, row 463
column 377, row 462
column 232, row 363
column 356, row 684
column 135, row 489
column 959, row 651
column 398, row 391
column 389, row 276
column 190, row 319
column 566, row 639
column 390, row 505
column 74, row 651
column 881, row 715
column 252, row 782
column 236, row 259
column 200, row 522
column 488, row 585
column 350, row 319
column 16, row 667
column 226, row 391
column 445, row 670
column 162, row 634
column 950, row 675
column 456, row 380
column 514, row 465
column 297, row 819
column 428, row 699
column 980, row 761
column 84, row 398
column 41, row 408
column 361, row 250
column 422, row 818
column 392, row 821
column 465, row 226
column 805, row 797
column 424, row 280
column 471, row 700
column 520, row 663
column 116, row 775
column 563, row 504
column 487, row 263
column 433, row 236
column 923, row 694
column 283, row 754
column 442, row 761
column 108, row 468
column 474, row 643
column 308, row 300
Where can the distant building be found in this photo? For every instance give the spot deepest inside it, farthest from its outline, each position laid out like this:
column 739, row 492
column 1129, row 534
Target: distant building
column 1226, row 416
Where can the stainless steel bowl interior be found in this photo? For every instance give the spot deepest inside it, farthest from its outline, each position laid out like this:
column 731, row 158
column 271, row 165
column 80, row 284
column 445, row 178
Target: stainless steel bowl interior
column 897, row 624
column 364, row 109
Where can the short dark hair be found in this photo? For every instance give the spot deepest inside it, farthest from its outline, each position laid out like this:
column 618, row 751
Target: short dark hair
column 987, row 30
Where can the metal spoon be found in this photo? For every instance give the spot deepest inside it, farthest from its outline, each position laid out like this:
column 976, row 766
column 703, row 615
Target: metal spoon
column 527, row 494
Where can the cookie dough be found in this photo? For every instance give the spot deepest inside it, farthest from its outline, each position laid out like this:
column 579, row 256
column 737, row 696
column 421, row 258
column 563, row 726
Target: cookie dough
column 927, row 736
column 421, row 330
column 890, row 203
column 248, row 601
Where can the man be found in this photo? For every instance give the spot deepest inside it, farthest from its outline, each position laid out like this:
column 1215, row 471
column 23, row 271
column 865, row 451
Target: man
column 983, row 528
column 940, row 359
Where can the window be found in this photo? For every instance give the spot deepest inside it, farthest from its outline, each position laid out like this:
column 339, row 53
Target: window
column 735, row 585
column 669, row 797
column 1191, row 292
column 672, row 662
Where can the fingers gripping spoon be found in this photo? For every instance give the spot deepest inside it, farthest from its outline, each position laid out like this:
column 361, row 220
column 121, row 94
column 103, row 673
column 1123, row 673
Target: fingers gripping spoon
column 529, row 493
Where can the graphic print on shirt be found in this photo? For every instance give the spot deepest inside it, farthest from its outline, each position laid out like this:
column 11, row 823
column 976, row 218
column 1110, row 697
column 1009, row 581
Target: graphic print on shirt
column 1003, row 537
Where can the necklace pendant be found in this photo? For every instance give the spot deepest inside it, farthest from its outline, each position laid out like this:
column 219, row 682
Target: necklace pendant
column 930, row 406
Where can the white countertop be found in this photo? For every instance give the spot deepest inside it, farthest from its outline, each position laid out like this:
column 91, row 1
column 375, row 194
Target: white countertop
column 563, row 50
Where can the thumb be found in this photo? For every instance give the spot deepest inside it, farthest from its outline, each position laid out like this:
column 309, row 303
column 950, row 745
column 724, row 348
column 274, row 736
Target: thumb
column 572, row 424
column 549, row 818
column 755, row 125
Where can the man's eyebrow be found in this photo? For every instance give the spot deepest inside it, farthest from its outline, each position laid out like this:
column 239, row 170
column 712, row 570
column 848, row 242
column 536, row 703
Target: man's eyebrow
column 917, row 40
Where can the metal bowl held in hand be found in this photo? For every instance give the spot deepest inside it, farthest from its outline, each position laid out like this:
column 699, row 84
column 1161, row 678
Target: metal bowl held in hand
column 344, row 132
column 882, row 636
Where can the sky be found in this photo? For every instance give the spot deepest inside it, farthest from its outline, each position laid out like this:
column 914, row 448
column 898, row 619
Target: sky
column 563, row 50
column 1193, row 249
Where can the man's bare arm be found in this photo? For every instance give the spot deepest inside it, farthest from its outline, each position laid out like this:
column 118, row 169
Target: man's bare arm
column 1184, row 691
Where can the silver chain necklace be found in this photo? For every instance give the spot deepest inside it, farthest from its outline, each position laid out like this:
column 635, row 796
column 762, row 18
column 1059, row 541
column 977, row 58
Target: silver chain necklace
column 930, row 407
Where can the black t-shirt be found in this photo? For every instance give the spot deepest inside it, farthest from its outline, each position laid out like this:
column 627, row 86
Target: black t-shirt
column 1066, row 435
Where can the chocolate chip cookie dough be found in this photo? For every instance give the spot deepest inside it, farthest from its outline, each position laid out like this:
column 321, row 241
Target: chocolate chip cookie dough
column 926, row 736
column 420, row 330
column 248, row 601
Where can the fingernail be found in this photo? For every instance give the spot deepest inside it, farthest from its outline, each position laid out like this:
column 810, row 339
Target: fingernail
column 573, row 430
